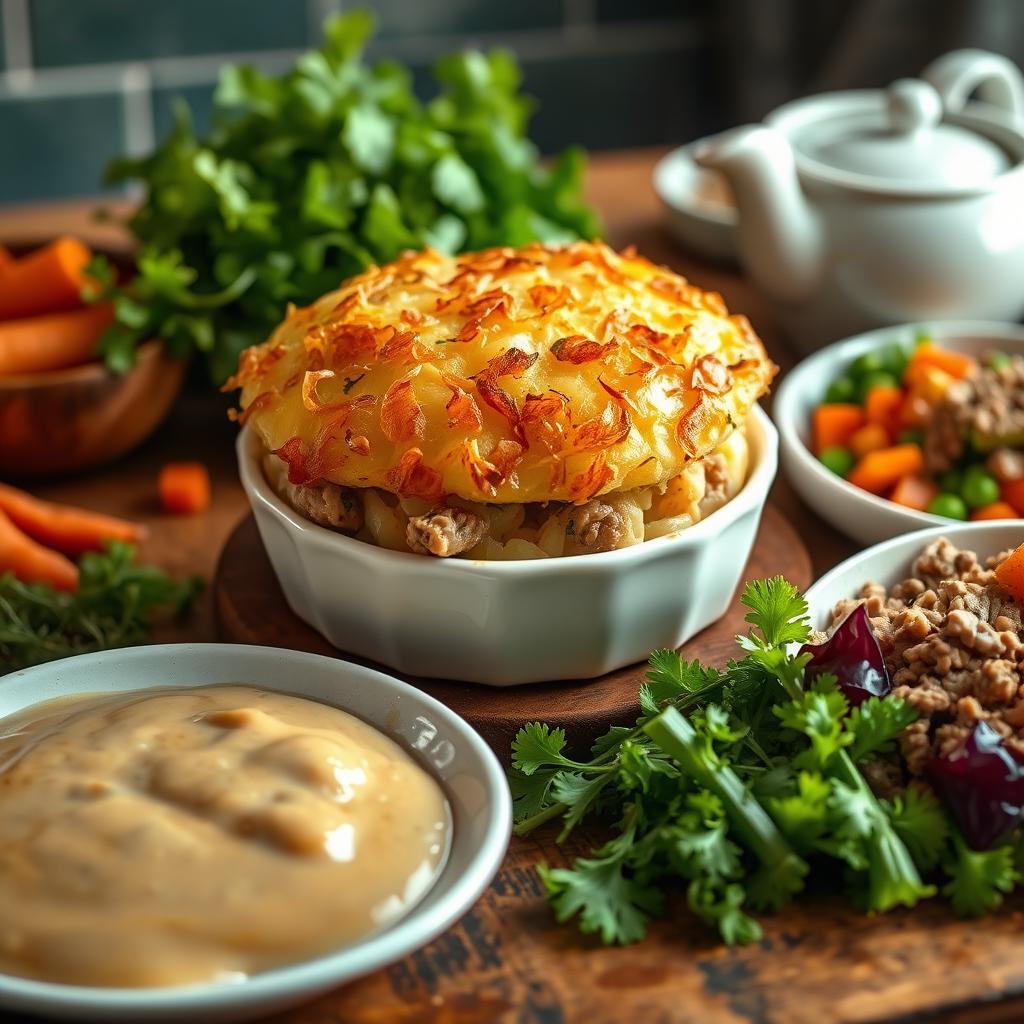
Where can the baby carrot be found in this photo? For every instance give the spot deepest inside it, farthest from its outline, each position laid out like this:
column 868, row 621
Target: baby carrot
column 31, row 562
column 64, row 527
column 184, row 487
column 53, row 341
column 44, row 281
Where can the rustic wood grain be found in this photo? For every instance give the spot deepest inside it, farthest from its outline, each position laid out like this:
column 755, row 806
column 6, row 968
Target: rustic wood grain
column 251, row 609
column 507, row 961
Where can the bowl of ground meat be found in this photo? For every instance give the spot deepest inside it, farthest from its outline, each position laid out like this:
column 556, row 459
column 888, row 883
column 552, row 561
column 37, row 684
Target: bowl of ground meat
column 945, row 608
column 954, row 454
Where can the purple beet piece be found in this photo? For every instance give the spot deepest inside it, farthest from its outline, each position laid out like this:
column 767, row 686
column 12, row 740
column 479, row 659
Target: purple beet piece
column 982, row 785
column 853, row 656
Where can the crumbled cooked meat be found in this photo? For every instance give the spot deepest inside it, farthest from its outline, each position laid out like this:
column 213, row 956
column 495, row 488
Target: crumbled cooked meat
column 326, row 504
column 884, row 776
column 988, row 405
column 445, row 531
column 1006, row 465
column 716, row 481
column 597, row 526
column 951, row 639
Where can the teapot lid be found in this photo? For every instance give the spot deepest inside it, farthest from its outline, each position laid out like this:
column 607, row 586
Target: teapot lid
column 906, row 141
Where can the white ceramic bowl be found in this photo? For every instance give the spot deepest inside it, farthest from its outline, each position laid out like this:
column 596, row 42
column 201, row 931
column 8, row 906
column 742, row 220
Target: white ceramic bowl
column 889, row 562
column 861, row 515
column 448, row 748
column 504, row 623
column 704, row 227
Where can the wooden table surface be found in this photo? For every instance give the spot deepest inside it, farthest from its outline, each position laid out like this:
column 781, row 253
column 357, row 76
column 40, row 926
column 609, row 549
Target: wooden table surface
column 507, row 960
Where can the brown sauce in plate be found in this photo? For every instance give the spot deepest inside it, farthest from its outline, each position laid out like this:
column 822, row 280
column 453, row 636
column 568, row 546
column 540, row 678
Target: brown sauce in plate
column 175, row 836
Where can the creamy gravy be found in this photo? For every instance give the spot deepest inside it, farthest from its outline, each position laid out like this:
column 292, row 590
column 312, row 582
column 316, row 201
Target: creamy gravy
column 177, row 836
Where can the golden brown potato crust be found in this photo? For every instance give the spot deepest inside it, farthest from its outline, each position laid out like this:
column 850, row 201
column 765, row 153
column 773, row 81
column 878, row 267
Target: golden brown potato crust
column 546, row 373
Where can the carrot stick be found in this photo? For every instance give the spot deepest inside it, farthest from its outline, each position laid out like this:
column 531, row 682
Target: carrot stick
column 64, row 527
column 53, row 341
column 184, row 487
column 45, row 281
column 31, row 562
column 880, row 470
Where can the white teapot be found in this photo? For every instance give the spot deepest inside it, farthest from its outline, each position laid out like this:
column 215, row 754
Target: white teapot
column 866, row 208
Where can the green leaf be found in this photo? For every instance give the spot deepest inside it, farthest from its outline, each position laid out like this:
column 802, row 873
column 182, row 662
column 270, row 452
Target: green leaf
column 671, row 677
column 456, row 185
column 802, row 816
column 370, row 138
column 876, row 723
column 778, row 610
column 383, row 227
column 578, row 793
column 978, row 879
column 818, row 715
column 920, row 822
column 531, row 793
column 722, row 907
column 607, row 902
column 705, row 852
column 536, row 745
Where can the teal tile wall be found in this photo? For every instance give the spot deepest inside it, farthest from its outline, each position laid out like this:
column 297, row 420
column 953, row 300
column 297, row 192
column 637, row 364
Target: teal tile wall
column 606, row 73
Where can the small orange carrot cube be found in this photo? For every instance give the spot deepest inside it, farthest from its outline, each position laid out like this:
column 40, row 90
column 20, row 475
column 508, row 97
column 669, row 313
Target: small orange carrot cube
column 882, row 405
column 881, row 470
column 1010, row 573
column 184, row 487
column 834, row 423
column 956, row 364
column 869, row 438
column 915, row 492
column 997, row 510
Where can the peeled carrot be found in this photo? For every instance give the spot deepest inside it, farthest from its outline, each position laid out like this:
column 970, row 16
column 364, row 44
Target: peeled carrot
column 997, row 510
column 956, row 364
column 915, row 492
column 878, row 471
column 53, row 341
column 834, row 423
column 64, row 527
column 1013, row 492
column 45, row 281
column 869, row 438
column 31, row 562
column 184, row 487
column 1010, row 573
column 883, row 405
column 6, row 259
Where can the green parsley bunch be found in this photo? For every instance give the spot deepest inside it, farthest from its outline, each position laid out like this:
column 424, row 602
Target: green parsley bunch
column 308, row 178
column 738, row 783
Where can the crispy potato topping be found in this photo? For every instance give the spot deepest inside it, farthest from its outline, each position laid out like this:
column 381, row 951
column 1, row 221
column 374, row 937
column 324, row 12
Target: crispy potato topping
column 546, row 373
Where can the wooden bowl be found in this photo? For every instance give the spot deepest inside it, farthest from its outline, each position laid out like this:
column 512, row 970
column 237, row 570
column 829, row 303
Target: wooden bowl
column 63, row 421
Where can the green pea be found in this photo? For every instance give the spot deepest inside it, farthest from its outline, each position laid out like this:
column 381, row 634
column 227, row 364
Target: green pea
column 952, row 481
column 980, row 488
column 951, row 506
column 895, row 359
column 911, row 437
column 843, row 389
column 869, row 362
column 877, row 379
column 998, row 360
column 838, row 459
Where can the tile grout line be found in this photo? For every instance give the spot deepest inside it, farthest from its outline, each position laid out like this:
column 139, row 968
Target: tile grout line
column 17, row 36
column 179, row 72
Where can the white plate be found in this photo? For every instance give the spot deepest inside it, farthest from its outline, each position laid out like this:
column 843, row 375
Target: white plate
column 443, row 743
column 889, row 562
column 689, row 195
column 861, row 515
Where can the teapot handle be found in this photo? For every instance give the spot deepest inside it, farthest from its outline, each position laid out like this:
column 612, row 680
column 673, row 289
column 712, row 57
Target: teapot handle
column 956, row 75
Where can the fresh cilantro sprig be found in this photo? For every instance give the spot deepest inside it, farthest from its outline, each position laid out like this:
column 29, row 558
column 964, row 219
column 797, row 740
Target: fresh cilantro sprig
column 115, row 605
column 307, row 178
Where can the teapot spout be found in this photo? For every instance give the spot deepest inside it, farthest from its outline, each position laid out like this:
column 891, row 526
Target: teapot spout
column 779, row 236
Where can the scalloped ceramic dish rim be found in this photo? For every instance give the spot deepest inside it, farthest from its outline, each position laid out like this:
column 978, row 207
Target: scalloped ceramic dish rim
column 753, row 494
column 699, row 211
column 842, row 352
column 960, row 534
column 289, row 983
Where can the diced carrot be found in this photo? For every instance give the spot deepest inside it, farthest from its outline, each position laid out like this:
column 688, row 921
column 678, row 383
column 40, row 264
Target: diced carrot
column 915, row 492
column 882, row 405
column 956, row 364
column 1013, row 492
column 64, row 527
column 881, row 470
column 915, row 410
column 31, row 562
column 834, row 423
column 869, row 438
column 45, row 281
column 6, row 259
column 1010, row 573
column 184, row 487
column 997, row 510
column 53, row 341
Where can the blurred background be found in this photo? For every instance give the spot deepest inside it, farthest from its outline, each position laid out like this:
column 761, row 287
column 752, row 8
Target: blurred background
column 82, row 81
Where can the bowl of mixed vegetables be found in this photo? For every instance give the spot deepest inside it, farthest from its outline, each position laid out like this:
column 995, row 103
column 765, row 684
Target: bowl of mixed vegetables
column 908, row 427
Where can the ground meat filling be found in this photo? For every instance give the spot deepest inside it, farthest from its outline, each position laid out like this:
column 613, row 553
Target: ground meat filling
column 986, row 409
column 327, row 504
column 445, row 531
column 598, row 526
column 951, row 638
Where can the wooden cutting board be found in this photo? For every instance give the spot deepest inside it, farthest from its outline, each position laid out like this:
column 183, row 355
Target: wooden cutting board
column 251, row 609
